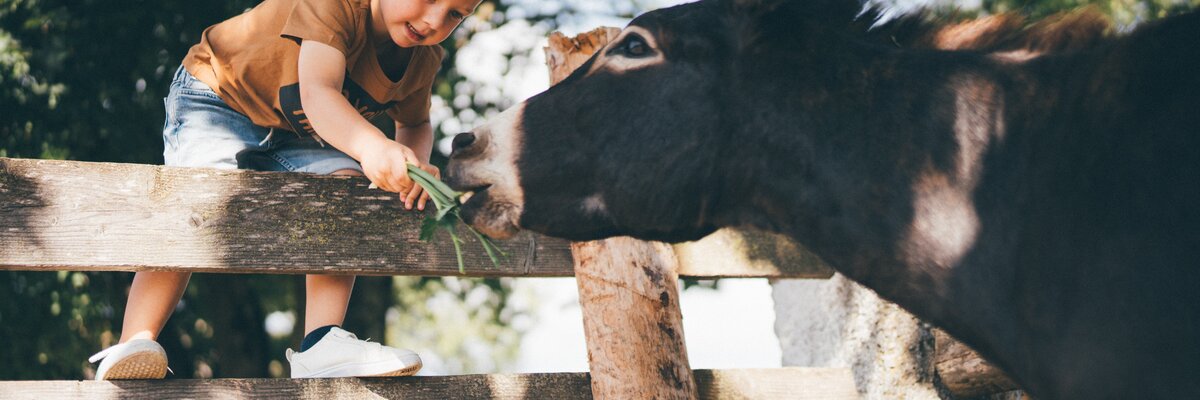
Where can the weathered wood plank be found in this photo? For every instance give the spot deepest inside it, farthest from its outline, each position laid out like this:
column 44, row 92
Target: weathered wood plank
column 632, row 320
column 104, row 216
column 85, row 216
column 964, row 372
column 767, row 384
column 755, row 253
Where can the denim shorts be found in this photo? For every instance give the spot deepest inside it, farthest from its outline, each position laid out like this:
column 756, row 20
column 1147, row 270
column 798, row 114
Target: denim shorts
column 202, row 131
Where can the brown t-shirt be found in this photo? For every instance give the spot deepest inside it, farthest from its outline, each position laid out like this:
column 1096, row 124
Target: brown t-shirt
column 251, row 62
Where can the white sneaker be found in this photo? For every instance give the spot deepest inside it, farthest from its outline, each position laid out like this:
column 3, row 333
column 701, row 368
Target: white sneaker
column 135, row 359
column 341, row 354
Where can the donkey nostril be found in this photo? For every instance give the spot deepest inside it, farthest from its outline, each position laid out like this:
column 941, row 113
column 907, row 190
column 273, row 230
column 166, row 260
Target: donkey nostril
column 462, row 141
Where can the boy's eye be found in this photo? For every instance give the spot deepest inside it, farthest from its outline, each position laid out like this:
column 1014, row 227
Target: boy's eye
column 456, row 15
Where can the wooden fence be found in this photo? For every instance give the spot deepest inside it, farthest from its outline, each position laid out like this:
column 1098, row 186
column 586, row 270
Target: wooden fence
column 83, row 216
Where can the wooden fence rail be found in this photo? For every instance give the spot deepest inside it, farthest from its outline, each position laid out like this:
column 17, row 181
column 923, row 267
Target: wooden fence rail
column 759, row 384
column 86, row 216
column 81, row 216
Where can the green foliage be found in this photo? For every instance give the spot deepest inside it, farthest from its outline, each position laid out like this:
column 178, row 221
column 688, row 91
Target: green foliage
column 1125, row 13
column 458, row 325
column 51, row 321
column 85, row 80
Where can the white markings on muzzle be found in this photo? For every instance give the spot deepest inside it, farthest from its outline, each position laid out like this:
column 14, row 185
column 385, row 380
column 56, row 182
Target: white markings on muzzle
column 496, row 165
column 617, row 64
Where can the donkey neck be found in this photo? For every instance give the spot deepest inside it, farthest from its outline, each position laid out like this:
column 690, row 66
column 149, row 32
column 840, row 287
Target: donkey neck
column 873, row 165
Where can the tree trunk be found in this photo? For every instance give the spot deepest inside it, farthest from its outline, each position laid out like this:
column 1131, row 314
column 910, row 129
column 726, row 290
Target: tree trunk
column 628, row 289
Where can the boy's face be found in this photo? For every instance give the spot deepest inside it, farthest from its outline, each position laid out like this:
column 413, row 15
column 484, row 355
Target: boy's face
column 422, row 22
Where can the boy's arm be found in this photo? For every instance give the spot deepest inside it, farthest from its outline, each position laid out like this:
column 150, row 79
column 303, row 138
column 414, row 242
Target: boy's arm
column 321, row 71
column 419, row 138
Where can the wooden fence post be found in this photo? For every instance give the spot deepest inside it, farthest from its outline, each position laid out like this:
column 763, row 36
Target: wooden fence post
column 627, row 289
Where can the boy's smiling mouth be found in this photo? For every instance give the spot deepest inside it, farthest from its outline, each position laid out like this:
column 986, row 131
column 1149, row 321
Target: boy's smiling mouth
column 413, row 34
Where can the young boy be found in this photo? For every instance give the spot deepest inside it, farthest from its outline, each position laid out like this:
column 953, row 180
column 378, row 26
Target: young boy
column 290, row 86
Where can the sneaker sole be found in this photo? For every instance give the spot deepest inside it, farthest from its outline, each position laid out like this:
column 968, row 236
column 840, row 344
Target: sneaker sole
column 364, row 371
column 408, row 371
column 144, row 365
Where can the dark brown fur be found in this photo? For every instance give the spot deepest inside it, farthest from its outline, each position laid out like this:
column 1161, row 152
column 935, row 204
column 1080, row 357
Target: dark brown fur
column 1030, row 187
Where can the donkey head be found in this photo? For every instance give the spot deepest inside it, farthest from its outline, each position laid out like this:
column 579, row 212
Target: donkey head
column 635, row 141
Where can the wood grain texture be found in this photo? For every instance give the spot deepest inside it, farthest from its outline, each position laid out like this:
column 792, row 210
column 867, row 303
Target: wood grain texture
column 964, row 372
column 126, row 217
column 632, row 321
column 84, row 216
column 765, row 384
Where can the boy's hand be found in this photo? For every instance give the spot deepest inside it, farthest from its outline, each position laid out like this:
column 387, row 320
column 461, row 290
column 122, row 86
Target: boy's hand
column 386, row 165
column 417, row 190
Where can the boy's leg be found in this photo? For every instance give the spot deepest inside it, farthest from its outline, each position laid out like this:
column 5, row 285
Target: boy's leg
column 327, row 296
column 199, row 130
column 151, row 299
column 325, row 300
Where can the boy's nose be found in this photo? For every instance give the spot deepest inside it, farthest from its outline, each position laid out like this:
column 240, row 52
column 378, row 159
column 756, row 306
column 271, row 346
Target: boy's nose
column 435, row 22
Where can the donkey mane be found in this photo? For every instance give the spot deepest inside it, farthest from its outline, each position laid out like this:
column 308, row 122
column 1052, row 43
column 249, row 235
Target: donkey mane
column 1007, row 32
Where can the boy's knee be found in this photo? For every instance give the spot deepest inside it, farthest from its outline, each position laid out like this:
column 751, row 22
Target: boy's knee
column 348, row 172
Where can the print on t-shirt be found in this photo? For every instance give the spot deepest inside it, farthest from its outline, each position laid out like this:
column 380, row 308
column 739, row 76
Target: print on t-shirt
column 289, row 103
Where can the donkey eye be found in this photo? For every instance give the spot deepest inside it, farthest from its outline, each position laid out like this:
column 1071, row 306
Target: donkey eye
column 634, row 47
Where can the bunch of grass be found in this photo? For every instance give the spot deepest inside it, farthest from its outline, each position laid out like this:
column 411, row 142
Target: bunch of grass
column 447, row 217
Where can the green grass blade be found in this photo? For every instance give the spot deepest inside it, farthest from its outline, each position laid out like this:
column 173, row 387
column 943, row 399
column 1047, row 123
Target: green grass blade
column 487, row 241
column 457, row 249
column 441, row 200
column 487, row 246
column 437, row 184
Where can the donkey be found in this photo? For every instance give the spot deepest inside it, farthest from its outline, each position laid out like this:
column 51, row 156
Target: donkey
column 1042, row 207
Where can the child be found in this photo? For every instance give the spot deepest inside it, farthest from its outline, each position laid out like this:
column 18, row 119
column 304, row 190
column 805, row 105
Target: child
column 290, row 86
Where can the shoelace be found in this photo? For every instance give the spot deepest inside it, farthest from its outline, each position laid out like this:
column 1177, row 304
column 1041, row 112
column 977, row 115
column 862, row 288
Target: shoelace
column 374, row 345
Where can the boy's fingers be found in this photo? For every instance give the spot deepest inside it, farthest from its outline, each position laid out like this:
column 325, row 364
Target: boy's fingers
column 424, row 198
column 400, row 183
column 405, row 181
column 412, row 196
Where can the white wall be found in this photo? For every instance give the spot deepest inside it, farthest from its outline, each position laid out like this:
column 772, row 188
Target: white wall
column 839, row 323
